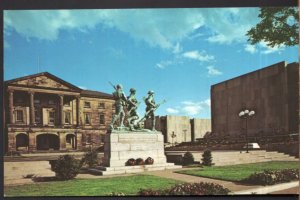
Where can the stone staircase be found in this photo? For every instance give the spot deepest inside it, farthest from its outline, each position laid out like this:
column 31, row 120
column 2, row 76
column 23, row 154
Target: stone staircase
column 222, row 158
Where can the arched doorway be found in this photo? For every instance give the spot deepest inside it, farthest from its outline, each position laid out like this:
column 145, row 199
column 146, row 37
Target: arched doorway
column 47, row 142
column 70, row 141
column 22, row 142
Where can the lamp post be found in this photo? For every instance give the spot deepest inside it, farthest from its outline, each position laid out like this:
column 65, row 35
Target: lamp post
column 245, row 114
column 173, row 135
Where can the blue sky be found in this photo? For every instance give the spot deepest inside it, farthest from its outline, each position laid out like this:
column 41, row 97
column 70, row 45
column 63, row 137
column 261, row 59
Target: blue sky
column 178, row 53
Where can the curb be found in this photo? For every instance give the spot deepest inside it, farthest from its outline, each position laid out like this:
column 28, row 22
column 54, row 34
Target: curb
column 269, row 189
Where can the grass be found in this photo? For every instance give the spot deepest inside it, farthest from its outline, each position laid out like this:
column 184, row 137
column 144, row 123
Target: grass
column 239, row 172
column 129, row 185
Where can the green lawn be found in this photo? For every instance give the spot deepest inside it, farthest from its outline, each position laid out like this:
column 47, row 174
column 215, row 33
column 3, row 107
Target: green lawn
column 128, row 185
column 239, row 172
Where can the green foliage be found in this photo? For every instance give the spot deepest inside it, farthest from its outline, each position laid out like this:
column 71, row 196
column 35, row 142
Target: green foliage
column 278, row 26
column 201, row 188
column 207, row 158
column 188, row 158
column 90, row 158
column 239, row 172
column 269, row 177
column 66, row 167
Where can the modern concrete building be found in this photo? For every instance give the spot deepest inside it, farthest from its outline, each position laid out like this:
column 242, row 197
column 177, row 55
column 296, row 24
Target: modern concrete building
column 44, row 112
column 178, row 129
column 272, row 92
column 200, row 128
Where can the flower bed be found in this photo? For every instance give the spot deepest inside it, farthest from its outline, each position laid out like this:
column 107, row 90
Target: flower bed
column 269, row 177
column 201, row 188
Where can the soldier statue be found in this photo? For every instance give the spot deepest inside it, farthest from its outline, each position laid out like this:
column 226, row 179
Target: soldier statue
column 150, row 108
column 132, row 105
column 120, row 102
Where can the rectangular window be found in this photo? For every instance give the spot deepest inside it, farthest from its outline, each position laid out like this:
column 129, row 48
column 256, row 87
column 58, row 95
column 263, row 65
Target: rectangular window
column 67, row 117
column 51, row 102
column 88, row 138
column 102, row 119
column 37, row 101
column 19, row 116
column 51, row 117
column 101, row 105
column 87, row 104
column 87, row 118
column 20, row 100
column 37, row 116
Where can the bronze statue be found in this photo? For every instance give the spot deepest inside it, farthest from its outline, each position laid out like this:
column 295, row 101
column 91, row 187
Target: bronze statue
column 120, row 102
column 132, row 105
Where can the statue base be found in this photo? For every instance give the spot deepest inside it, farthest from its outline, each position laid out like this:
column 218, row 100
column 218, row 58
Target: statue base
column 122, row 145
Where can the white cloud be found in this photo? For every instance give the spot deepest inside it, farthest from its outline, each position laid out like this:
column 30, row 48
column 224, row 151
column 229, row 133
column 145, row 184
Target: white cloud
column 82, row 87
column 172, row 111
column 164, row 28
column 164, row 64
column 230, row 25
column 177, row 48
column 196, row 55
column 265, row 49
column 213, row 71
column 250, row 48
column 194, row 108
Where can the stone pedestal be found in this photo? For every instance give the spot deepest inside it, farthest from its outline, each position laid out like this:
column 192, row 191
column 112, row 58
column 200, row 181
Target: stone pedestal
column 119, row 146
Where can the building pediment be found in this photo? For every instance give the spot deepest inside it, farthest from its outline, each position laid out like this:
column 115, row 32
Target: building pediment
column 43, row 80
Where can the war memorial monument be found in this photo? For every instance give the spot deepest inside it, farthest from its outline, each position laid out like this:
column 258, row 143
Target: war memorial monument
column 130, row 148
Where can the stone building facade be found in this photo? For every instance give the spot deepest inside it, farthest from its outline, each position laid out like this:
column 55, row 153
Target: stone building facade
column 44, row 112
column 178, row 129
column 272, row 92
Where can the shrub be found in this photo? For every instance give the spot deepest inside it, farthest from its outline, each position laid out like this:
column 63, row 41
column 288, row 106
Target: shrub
column 188, row 189
column 207, row 158
column 149, row 161
column 188, row 158
column 130, row 162
column 269, row 177
column 139, row 161
column 66, row 167
column 90, row 158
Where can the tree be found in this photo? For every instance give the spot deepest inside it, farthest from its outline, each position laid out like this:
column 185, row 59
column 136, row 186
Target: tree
column 207, row 158
column 278, row 26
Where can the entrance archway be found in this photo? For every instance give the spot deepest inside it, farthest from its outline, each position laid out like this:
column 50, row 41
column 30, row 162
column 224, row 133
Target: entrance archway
column 47, row 142
column 70, row 141
column 22, row 142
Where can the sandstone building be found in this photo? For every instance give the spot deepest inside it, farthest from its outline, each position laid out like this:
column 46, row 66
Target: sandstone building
column 44, row 112
column 272, row 92
column 178, row 129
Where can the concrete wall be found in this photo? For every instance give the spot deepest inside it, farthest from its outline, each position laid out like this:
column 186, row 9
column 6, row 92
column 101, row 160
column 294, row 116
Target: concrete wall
column 272, row 92
column 199, row 127
column 181, row 127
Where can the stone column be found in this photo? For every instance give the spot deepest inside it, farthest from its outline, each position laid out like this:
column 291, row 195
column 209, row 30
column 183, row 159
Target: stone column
column 31, row 110
column 62, row 140
column 32, row 141
column 78, row 140
column 11, row 106
column 11, row 141
column 77, row 111
column 61, row 110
